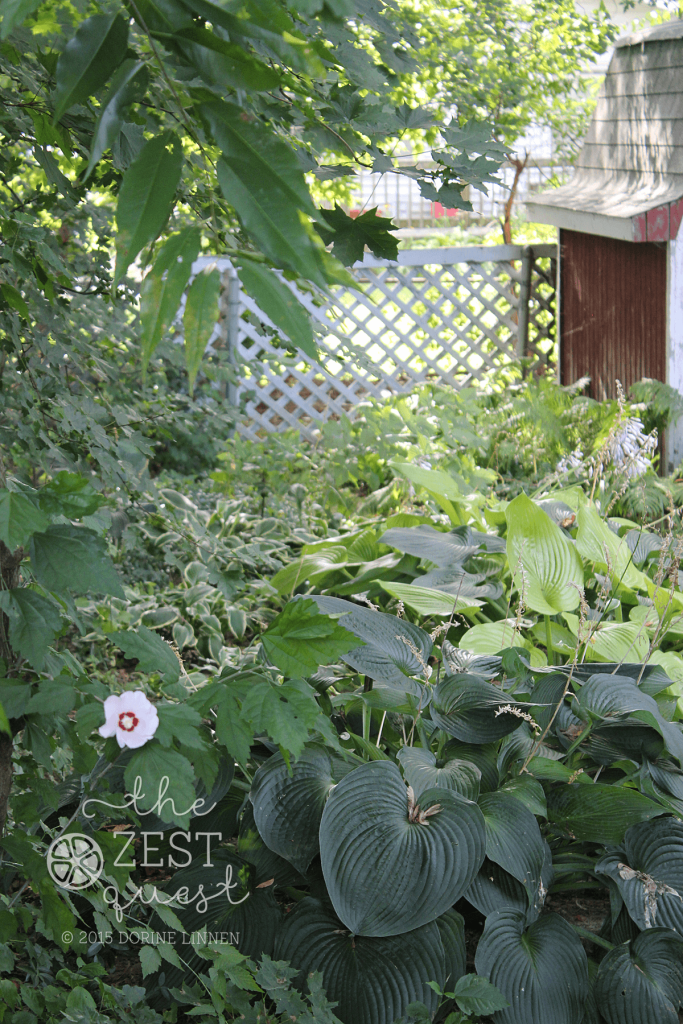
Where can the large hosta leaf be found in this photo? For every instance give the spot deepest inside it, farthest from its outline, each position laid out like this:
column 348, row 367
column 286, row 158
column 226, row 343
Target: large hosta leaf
column 513, row 839
column 542, row 970
column 455, row 580
column 468, row 707
column 544, row 563
column 288, row 807
column 249, row 919
column 641, row 982
column 615, row 698
column 428, row 600
column 617, row 641
column 373, row 980
column 648, row 873
column 487, row 638
column 598, row 544
column 442, row 549
column 598, row 813
column 388, row 654
column 421, row 773
column 386, row 873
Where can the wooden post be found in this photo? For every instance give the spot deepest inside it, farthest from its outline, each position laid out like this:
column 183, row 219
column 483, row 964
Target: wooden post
column 524, row 298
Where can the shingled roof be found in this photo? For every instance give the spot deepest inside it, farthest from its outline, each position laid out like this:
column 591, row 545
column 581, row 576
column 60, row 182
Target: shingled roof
column 628, row 181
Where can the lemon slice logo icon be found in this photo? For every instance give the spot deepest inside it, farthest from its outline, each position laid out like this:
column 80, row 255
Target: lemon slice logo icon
column 74, row 861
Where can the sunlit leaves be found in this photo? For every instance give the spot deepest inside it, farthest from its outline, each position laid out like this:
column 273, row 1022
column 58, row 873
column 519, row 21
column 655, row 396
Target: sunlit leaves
column 88, row 59
column 199, row 318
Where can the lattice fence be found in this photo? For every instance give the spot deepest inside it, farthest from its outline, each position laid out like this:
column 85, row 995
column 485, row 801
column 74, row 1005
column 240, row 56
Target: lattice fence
column 449, row 315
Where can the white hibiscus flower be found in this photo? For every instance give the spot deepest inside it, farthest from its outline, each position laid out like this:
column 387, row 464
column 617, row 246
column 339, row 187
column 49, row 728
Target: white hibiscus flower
column 130, row 717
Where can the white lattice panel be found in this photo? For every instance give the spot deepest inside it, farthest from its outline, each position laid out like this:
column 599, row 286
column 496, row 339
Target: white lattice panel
column 441, row 314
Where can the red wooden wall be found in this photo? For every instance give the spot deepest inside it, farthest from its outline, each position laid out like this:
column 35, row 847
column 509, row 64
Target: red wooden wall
column 612, row 311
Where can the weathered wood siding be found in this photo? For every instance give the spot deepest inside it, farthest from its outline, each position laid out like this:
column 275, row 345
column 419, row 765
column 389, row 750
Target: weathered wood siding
column 612, row 311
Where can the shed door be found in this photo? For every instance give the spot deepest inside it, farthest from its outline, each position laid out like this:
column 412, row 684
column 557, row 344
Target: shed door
column 613, row 311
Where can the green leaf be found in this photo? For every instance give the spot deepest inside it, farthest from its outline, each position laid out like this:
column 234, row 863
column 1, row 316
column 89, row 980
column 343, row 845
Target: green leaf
column 73, row 558
column 58, row 920
column 385, row 873
column 200, row 318
column 492, row 637
column 179, row 722
column 427, row 601
column 310, row 566
column 542, row 971
column 34, row 622
column 163, row 287
column 146, row 197
column 128, row 86
column 150, row 960
column 598, row 544
column 88, row 59
column 477, row 995
column 421, row 773
column 70, row 495
column 513, row 839
column 614, row 698
column 19, row 518
column 235, row 735
column 281, row 306
column 373, row 980
column 13, row 12
column 285, row 713
column 648, row 873
column 222, row 63
column 544, row 564
column 390, row 644
column 350, row 235
column 469, row 708
column 300, row 639
column 443, row 549
column 4, row 722
column 618, row 642
column 642, row 981
column 152, row 763
column 288, row 805
column 599, row 813
column 14, row 299
column 152, row 653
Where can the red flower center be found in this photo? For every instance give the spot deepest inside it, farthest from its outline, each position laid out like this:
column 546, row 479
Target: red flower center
column 128, row 721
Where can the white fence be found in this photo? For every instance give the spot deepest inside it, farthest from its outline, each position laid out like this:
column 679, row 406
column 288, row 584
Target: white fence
column 449, row 315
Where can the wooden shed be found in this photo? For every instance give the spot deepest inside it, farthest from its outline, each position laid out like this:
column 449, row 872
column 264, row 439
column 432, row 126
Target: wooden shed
column 621, row 255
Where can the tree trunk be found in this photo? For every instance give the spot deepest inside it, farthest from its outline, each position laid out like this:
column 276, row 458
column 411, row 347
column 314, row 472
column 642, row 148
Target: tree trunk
column 519, row 166
column 9, row 571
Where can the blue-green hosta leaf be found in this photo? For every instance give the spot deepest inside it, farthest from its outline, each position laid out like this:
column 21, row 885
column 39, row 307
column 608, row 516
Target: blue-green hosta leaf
column 544, row 563
column 300, row 639
column 443, row 549
column 642, row 981
column 19, row 519
column 428, row 601
column 421, row 773
column 469, row 708
column 373, row 980
column 597, row 543
column 146, row 197
column 152, row 653
column 513, row 839
column 559, row 512
column 388, row 866
column 128, row 85
column 250, row 925
column 73, row 558
column 615, row 698
column 599, row 813
column 455, row 580
column 541, row 970
column 163, row 287
column 457, row 660
column 648, row 873
column 33, row 623
column 288, row 806
column 643, row 544
column 390, row 644
column 200, row 318
column 88, row 59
